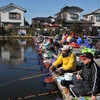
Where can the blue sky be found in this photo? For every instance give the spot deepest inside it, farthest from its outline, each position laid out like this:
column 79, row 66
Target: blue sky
column 45, row 8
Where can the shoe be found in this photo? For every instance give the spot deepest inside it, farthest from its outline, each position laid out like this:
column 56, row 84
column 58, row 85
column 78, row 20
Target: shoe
column 71, row 86
column 63, row 82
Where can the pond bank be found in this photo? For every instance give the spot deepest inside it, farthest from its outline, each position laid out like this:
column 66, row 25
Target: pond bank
column 15, row 37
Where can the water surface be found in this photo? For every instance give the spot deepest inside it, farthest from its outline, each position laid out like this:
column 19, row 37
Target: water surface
column 18, row 59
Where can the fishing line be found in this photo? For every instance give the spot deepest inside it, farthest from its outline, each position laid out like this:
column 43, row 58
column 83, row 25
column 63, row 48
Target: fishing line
column 24, row 78
column 28, row 68
column 35, row 76
column 36, row 95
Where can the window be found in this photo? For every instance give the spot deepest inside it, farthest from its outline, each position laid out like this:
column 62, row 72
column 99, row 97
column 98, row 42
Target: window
column 98, row 18
column 74, row 16
column 91, row 18
column 16, row 16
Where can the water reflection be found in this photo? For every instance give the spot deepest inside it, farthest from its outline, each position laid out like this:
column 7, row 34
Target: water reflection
column 16, row 56
column 13, row 52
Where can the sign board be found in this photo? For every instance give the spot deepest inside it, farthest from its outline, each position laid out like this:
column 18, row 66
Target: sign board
column 21, row 32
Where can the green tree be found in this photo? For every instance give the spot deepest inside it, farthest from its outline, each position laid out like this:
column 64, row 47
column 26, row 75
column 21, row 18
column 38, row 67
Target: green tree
column 62, row 23
column 38, row 24
column 94, row 31
column 2, row 31
column 76, row 28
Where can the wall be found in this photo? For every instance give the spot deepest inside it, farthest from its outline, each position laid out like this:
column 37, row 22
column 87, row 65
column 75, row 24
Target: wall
column 68, row 13
column 94, row 19
column 5, row 15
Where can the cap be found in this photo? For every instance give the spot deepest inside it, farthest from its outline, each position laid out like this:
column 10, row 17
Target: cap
column 66, row 47
column 89, row 55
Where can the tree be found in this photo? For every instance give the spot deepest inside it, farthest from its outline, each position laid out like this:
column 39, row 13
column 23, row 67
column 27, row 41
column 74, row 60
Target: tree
column 2, row 31
column 9, row 28
column 38, row 24
column 76, row 28
column 62, row 23
column 94, row 31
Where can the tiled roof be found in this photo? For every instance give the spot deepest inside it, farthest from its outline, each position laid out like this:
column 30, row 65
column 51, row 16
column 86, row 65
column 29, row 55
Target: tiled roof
column 94, row 12
column 72, row 7
column 11, row 4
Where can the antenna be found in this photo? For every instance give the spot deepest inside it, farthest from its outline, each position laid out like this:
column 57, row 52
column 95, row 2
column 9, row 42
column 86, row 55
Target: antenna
column 11, row 1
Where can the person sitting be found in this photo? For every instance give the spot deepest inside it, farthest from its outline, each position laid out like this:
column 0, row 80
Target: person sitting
column 51, row 45
column 45, row 43
column 69, row 38
column 57, row 52
column 72, row 39
column 88, row 81
column 56, row 38
column 99, row 35
column 79, row 40
column 67, row 59
column 88, row 42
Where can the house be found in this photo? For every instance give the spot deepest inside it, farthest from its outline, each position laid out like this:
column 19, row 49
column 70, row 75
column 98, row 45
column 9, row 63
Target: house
column 12, row 14
column 39, row 21
column 93, row 17
column 69, row 15
column 52, row 27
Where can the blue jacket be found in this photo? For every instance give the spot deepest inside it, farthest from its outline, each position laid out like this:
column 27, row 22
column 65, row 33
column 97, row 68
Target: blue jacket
column 79, row 41
column 88, row 43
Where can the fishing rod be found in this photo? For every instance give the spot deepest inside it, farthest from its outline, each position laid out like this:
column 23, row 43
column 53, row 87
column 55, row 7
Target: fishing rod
column 34, row 76
column 35, row 95
column 28, row 68
column 25, row 78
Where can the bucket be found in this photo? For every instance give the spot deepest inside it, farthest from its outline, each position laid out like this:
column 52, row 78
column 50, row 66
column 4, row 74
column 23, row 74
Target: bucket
column 68, row 76
column 49, row 83
column 49, row 79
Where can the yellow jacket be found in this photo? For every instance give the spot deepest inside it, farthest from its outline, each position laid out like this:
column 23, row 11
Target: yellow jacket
column 69, row 62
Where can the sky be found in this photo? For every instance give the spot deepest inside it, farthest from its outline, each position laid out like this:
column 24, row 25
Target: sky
column 45, row 8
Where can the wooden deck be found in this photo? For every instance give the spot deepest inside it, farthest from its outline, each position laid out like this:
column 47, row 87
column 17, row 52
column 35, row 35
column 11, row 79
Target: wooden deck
column 64, row 91
column 15, row 37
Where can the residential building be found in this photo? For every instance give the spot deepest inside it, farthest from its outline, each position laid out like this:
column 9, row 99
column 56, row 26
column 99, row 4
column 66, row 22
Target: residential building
column 52, row 27
column 93, row 17
column 70, row 15
column 12, row 14
column 39, row 21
